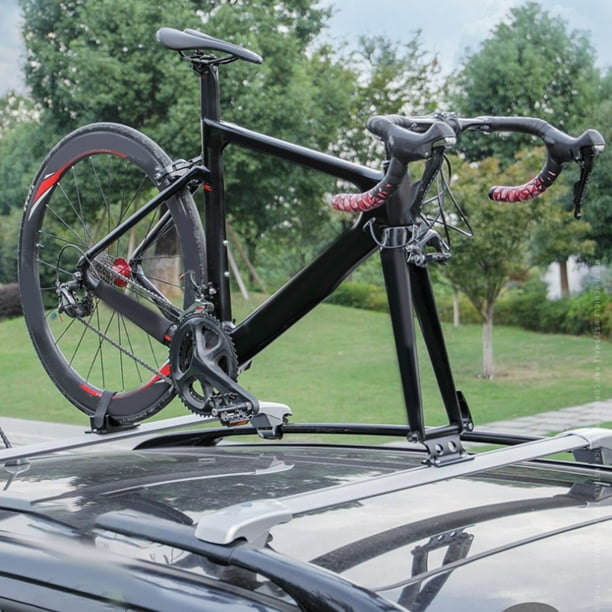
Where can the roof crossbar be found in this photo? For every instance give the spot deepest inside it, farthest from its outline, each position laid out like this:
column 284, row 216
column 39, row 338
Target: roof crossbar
column 256, row 518
column 578, row 439
column 237, row 535
column 91, row 438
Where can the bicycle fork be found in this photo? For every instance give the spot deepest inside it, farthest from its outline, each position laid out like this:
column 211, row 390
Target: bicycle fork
column 410, row 294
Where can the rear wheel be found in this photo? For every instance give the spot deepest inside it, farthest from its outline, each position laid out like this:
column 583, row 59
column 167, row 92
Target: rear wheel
column 93, row 180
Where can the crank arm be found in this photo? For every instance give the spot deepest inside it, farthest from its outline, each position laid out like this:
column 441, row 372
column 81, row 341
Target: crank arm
column 210, row 374
column 267, row 421
column 215, row 376
column 154, row 324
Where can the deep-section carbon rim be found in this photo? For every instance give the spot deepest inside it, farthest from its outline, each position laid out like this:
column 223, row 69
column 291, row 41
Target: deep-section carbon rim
column 92, row 181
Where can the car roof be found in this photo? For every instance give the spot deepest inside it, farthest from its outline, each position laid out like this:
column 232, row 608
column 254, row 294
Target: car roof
column 374, row 515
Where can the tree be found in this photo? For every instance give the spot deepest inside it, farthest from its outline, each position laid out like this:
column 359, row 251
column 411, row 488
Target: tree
column 482, row 265
column 23, row 143
column 598, row 200
column 390, row 78
column 98, row 60
column 532, row 66
column 300, row 93
column 9, row 233
column 556, row 238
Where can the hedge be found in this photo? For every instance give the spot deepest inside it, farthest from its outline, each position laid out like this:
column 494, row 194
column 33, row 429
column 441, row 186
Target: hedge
column 527, row 306
column 587, row 314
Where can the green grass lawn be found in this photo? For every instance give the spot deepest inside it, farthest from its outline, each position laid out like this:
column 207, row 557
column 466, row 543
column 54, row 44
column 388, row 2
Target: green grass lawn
column 338, row 364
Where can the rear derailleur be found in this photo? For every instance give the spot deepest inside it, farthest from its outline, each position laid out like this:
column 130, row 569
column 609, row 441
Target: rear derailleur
column 425, row 246
column 70, row 303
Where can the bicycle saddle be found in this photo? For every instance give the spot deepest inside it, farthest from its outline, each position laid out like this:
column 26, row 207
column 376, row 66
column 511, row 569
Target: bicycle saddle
column 194, row 40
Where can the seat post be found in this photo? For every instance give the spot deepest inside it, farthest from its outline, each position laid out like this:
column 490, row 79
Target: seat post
column 214, row 201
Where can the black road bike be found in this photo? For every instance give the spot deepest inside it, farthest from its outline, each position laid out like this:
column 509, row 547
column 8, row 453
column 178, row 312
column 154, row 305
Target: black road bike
column 126, row 293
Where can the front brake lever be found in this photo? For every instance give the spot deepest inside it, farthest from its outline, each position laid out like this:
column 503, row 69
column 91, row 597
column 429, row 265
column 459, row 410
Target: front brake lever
column 586, row 167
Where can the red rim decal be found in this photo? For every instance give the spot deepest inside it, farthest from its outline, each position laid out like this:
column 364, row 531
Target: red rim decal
column 163, row 373
column 91, row 391
column 52, row 179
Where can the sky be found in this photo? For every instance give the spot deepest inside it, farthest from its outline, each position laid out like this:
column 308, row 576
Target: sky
column 11, row 46
column 448, row 27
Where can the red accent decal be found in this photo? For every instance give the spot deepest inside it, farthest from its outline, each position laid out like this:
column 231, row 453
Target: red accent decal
column 52, row 179
column 48, row 183
column 165, row 371
column 91, row 391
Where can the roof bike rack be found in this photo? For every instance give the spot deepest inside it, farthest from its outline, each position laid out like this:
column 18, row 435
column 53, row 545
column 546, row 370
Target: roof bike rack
column 270, row 416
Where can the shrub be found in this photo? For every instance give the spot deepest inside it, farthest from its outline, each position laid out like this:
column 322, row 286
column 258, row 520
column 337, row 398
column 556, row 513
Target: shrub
column 360, row 295
column 526, row 306
column 373, row 297
column 551, row 315
column 10, row 301
column 590, row 313
column 520, row 306
column 584, row 314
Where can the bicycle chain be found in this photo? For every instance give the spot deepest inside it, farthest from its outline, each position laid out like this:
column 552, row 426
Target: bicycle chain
column 139, row 361
column 109, row 274
column 113, row 275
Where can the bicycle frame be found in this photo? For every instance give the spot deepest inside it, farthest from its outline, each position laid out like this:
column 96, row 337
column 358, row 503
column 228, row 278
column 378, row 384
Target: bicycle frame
column 408, row 286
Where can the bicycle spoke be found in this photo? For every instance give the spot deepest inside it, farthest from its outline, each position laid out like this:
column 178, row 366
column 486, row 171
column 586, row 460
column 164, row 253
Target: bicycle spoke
column 66, row 330
column 55, row 267
column 55, row 237
column 108, row 175
column 99, row 352
column 79, row 343
column 131, row 348
column 80, row 214
column 121, row 367
column 67, row 225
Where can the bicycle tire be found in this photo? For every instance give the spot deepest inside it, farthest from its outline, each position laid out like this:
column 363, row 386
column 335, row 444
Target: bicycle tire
column 91, row 180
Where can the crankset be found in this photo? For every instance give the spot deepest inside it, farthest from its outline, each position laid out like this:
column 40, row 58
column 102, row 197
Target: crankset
column 204, row 368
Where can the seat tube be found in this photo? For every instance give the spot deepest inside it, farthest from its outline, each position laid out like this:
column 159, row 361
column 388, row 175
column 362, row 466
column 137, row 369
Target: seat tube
column 214, row 196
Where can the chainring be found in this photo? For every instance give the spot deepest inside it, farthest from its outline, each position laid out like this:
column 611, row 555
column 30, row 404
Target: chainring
column 200, row 347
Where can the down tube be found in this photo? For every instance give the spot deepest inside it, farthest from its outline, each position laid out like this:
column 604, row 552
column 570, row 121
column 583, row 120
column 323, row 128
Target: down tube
column 303, row 292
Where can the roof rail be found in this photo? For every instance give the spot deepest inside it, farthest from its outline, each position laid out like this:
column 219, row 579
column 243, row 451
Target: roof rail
column 310, row 586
